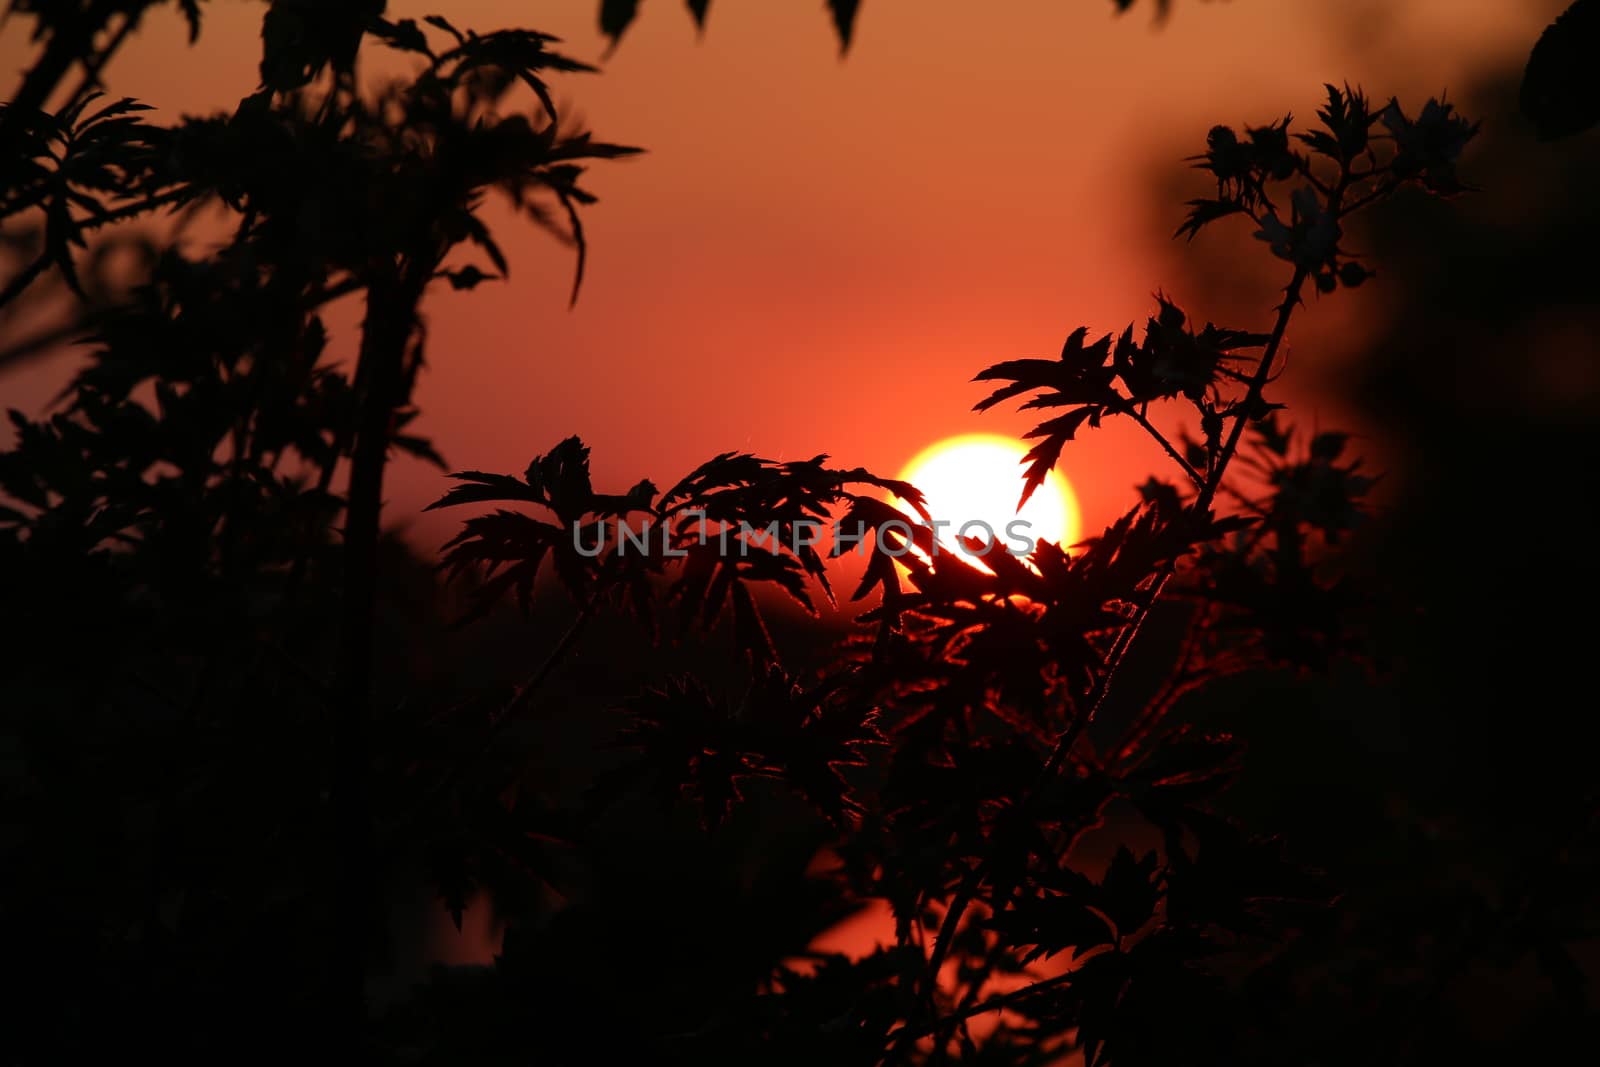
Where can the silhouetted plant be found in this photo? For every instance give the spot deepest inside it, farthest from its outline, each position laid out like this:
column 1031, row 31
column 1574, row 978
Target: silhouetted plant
column 951, row 760
column 217, row 499
column 979, row 684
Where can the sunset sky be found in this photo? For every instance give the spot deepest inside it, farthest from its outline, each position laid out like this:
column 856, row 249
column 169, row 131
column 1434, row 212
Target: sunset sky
column 817, row 254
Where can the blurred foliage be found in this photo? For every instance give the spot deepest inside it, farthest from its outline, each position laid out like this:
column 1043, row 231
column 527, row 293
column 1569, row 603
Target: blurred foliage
column 1455, row 791
column 617, row 15
column 1560, row 90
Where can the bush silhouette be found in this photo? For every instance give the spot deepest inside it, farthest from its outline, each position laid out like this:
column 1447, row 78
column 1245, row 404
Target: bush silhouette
column 233, row 755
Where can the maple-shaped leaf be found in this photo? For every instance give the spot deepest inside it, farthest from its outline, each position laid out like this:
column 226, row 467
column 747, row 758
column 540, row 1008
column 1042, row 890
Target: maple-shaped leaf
column 1428, row 145
column 689, row 744
column 1129, row 891
column 1081, row 378
column 510, row 546
column 1052, row 923
column 562, row 476
column 808, row 734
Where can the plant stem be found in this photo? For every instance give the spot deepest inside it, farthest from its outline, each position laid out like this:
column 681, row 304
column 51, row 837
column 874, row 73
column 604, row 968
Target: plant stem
column 970, row 881
column 1291, row 300
column 392, row 298
column 1119, row 649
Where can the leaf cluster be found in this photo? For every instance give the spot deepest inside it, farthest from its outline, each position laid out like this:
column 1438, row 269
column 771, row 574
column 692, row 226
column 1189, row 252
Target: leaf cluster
column 953, row 761
column 1347, row 164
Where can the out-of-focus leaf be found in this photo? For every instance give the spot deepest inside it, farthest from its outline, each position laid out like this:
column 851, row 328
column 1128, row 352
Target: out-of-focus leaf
column 1561, row 86
column 615, row 18
column 844, row 20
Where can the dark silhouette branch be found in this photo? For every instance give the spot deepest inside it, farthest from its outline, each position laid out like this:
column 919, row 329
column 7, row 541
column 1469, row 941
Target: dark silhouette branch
column 1177, row 457
column 392, row 299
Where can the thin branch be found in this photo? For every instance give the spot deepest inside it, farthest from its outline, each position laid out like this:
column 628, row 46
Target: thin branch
column 1177, row 457
column 968, row 888
column 1379, row 193
column 1089, row 708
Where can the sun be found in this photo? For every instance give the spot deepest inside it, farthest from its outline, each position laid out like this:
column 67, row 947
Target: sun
column 977, row 478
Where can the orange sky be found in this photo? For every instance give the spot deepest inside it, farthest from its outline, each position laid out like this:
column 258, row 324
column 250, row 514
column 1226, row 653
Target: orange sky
column 838, row 246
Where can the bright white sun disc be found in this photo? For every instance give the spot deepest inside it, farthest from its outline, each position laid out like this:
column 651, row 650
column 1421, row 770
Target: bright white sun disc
column 977, row 479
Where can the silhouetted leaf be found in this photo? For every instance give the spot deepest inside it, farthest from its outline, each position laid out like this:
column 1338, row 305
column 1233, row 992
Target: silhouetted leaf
column 1204, row 212
column 301, row 37
column 1129, row 891
column 1042, row 457
column 1428, row 146
column 844, row 20
column 404, row 35
column 1052, row 924
column 468, row 277
column 615, row 18
column 442, row 23
column 191, row 15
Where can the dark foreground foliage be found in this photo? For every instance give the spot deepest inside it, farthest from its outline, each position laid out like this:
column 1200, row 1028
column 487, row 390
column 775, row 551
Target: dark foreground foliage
column 241, row 723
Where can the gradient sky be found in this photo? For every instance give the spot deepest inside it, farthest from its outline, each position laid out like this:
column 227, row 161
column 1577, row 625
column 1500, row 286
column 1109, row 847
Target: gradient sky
column 816, row 254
